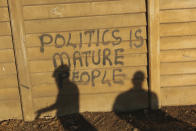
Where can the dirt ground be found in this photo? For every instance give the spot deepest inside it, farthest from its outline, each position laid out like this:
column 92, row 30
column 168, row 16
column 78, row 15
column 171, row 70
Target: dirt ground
column 166, row 119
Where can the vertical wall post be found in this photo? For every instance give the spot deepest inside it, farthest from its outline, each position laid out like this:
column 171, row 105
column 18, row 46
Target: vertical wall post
column 16, row 17
column 154, row 52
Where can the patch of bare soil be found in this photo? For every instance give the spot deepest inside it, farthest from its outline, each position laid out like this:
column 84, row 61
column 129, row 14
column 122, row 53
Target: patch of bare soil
column 166, row 119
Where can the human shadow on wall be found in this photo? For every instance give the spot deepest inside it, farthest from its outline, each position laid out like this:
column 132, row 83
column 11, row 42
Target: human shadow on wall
column 67, row 102
column 145, row 119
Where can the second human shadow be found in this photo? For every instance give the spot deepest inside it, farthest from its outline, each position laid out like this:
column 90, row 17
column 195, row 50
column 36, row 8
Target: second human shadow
column 145, row 119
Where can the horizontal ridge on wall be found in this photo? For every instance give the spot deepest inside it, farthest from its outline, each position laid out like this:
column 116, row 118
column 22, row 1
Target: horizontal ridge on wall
column 50, row 2
column 176, row 4
column 74, row 24
column 83, row 9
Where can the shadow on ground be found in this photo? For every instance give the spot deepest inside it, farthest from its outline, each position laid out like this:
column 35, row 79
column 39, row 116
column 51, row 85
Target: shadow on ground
column 67, row 101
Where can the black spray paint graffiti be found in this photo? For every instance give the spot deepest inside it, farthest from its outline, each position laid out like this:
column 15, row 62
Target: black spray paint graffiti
column 100, row 57
column 81, row 58
column 60, row 41
column 96, row 59
column 85, row 77
column 138, row 37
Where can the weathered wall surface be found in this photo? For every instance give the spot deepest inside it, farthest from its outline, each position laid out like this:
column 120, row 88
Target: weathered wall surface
column 178, row 42
column 105, row 43
column 105, row 46
column 10, row 106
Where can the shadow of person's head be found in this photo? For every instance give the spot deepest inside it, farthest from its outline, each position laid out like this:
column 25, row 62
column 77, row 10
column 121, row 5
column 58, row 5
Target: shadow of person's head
column 61, row 74
column 137, row 80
